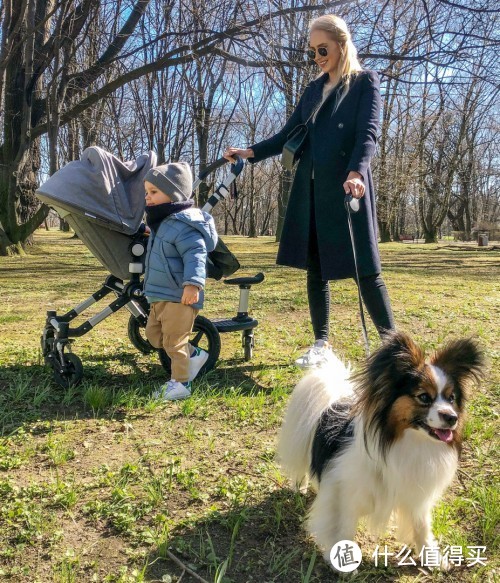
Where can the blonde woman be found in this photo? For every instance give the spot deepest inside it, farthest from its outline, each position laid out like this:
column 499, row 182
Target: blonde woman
column 342, row 105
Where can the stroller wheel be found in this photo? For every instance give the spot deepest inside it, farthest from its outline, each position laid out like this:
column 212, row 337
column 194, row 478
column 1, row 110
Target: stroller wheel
column 72, row 373
column 204, row 335
column 47, row 341
column 137, row 336
column 248, row 343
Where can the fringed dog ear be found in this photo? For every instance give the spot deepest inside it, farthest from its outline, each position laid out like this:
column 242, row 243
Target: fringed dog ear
column 398, row 359
column 387, row 373
column 462, row 360
column 398, row 356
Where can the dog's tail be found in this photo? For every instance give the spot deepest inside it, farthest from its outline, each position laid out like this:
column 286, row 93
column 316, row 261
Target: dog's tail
column 312, row 395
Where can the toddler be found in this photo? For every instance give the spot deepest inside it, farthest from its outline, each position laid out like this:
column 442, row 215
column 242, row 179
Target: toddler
column 175, row 271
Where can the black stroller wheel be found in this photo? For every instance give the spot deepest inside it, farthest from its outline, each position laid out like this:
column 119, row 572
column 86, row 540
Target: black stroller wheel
column 136, row 334
column 248, row 343
column 47, row 342
column 73, row 373
column 205, row 336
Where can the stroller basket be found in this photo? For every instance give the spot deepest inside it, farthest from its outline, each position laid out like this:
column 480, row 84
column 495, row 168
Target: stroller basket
column 102, row 199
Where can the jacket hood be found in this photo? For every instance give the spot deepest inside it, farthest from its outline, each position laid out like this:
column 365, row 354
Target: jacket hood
column 202, row 222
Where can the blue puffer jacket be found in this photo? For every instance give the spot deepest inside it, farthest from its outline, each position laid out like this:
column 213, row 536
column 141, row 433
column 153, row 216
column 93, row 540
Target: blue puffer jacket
column 177, row 255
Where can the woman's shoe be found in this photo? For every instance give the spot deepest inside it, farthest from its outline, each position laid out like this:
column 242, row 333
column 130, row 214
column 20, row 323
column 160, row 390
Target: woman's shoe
column 320, row 353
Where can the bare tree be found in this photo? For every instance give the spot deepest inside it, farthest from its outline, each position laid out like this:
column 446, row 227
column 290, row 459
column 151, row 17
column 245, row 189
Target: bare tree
column 74, row 74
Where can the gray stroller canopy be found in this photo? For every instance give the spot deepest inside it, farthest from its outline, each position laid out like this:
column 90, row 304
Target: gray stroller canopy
column 102, row 200
column 100, row 188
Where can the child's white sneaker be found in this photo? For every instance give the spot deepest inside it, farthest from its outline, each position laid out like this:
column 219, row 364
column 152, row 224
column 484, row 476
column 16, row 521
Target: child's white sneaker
column 320, row 353
column 196, row 362
column 173, row 391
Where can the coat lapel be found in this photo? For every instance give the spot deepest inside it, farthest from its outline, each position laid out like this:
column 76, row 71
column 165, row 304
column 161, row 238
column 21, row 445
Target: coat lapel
column 317, row 94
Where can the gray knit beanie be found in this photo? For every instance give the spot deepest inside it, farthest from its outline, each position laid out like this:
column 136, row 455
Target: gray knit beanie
column 173, row 179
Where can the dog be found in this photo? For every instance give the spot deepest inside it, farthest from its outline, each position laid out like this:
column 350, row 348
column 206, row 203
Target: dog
column 383, row 441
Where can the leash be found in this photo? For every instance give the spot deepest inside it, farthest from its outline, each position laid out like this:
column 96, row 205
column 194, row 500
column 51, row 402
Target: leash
column 352, row 206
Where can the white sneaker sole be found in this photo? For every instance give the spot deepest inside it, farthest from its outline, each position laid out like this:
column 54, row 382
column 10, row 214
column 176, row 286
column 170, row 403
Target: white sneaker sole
column 304, row 365
column 177, row 396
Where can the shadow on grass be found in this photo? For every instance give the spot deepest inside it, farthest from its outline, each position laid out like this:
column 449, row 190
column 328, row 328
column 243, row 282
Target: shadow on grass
column 265, row 541
column 28, row 392
column 260, row 542
column 244, row 377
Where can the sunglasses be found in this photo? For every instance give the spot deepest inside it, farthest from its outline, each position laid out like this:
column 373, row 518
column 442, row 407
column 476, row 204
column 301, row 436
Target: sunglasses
column 322, row 52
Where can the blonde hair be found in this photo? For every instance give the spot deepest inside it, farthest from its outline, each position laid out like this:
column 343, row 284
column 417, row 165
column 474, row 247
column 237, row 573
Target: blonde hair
column 338, row 31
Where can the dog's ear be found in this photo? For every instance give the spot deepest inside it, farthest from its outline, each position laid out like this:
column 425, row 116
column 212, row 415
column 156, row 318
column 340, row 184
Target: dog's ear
column 462, row 360
column 387, row 374
column 398, row 356
column 390, row 367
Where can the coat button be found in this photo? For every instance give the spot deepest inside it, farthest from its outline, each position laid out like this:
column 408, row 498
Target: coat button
column 342, row 153
column 340, row 126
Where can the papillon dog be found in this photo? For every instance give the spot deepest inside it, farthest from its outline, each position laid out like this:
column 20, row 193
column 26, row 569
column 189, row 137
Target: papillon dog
column 383, row 441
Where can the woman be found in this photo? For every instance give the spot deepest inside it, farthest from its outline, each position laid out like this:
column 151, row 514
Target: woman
column 341, row 108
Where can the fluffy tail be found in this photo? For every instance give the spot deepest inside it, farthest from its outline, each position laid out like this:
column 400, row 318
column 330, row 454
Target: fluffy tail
column 311, row 396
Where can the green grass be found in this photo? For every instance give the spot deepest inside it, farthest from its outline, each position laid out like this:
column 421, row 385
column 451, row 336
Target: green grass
column 101, row 482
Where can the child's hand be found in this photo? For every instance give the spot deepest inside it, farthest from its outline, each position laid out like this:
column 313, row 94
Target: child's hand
column 190, row 295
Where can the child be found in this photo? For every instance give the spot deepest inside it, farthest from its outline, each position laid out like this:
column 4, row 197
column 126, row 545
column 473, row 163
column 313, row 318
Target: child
column 175, row 271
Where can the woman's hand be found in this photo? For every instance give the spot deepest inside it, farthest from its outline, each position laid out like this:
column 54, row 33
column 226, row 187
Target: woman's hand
column 229, row 154
column 190, row 295
column 354, row 185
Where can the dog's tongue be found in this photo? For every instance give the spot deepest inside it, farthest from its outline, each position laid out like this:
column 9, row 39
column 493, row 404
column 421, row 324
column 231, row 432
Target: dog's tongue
column 445, row 435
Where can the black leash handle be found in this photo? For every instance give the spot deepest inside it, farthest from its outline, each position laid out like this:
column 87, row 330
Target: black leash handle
column 352, row 206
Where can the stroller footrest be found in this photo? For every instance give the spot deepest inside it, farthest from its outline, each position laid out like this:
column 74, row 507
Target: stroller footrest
column 229, row 325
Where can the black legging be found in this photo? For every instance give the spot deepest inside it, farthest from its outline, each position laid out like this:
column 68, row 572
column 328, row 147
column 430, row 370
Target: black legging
column 373, row 292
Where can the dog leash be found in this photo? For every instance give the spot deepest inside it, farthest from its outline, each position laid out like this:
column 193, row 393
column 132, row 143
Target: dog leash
column 352, row 206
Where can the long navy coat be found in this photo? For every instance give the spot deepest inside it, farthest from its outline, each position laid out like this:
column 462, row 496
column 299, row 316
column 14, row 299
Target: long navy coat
column 337, row 143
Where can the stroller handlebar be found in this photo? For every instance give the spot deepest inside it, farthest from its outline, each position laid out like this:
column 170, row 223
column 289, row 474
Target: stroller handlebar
column 222, row 191
column 236, row 168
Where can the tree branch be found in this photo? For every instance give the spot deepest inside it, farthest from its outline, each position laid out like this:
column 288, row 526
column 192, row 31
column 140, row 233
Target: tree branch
column 114, row 47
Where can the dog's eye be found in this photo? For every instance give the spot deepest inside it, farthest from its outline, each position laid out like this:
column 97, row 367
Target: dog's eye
column 451, row 398
column 424, row 398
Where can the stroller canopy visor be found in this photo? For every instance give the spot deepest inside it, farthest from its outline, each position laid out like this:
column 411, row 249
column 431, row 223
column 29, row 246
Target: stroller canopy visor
column 99, row 187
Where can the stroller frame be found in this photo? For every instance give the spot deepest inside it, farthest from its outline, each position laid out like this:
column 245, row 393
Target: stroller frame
column 58, row 335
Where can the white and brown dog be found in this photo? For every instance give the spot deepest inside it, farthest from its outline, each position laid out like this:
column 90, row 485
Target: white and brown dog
column 385, row 440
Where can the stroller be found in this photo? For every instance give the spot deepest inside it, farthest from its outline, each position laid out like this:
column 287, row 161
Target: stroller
column 102, row 199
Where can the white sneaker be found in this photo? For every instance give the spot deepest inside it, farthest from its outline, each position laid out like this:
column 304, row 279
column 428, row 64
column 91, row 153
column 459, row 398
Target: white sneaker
column 196, row 362
column 173, row 391
column 320, row 353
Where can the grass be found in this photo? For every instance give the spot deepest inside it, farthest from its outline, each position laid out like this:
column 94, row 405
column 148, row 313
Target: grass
column 103, row 483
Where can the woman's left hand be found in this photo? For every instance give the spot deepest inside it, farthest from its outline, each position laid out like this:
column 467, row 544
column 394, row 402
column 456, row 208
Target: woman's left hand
column 354, row 185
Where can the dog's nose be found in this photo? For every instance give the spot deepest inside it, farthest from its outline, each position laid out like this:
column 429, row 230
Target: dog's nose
column 449, row 418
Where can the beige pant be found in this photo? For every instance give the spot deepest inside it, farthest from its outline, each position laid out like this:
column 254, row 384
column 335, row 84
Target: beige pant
column 169, row 325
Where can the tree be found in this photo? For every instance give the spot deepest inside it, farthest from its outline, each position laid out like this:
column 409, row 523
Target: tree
column 158, row 74
column 38, row 38
column 42, row 40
